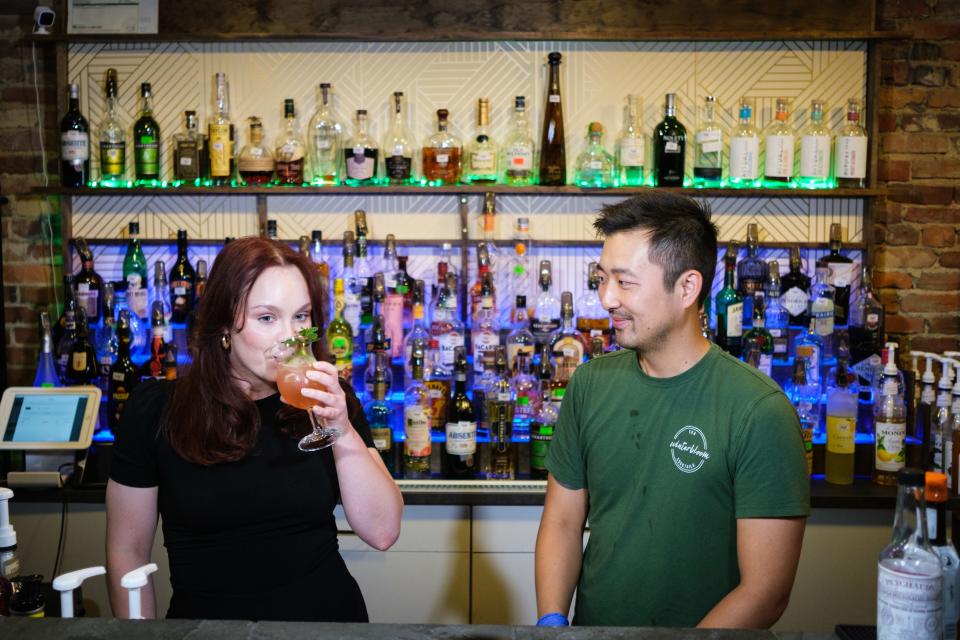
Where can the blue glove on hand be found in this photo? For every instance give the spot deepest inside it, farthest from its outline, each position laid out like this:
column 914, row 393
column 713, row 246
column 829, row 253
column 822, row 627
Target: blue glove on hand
column 553, row 620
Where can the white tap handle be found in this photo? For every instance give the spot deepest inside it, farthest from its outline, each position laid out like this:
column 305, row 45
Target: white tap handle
column 133, row 581
column 67, row 582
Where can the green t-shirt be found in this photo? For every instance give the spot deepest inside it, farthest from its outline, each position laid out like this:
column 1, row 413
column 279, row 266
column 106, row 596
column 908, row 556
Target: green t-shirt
column 669, row 465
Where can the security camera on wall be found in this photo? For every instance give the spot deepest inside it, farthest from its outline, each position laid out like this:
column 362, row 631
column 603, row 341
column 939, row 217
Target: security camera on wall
column 43, row 18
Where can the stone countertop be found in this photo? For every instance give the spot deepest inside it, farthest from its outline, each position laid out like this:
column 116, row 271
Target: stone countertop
column 112, row 629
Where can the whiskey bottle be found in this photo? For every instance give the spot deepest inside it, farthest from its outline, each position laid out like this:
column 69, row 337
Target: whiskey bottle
column 567, row 345
column 325, row 140
column 546, row 313
column 708, row 148
column 729, row 305
column 74, row 143
column 553, row 158
column 593, row 320
column 82, row 361
column 255, row 163
column 123, row 374
column 594, row 167
column 519, row 149
column 182, row 282
column 482, row 155
column 815, row 151
column 416, row 421
column 399, row 146
column 89, row 284
column 339, row 334
column 779, row 143
column 851, row 150
column 669, row 147
column 840, row 276
column 631, row 148
column 146, row 142
column 500, row 407
column 361, row 155
column 751, row 274
column 113, row 141
column 810, row 348
column 745, row 149
column 461, row 424
column 219, row 138
column 290, row 149
column 187, row 149
column 441, row 154
column 379, row 412
column 795, row 291
column 135, row 274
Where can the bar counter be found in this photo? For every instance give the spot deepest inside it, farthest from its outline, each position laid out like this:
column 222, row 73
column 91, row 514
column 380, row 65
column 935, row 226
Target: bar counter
column 111, row 629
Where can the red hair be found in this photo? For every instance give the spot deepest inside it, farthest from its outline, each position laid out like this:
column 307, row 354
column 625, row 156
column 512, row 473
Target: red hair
column 209, row 419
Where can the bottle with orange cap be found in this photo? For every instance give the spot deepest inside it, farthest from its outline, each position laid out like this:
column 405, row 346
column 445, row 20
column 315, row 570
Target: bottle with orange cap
column 937, row 493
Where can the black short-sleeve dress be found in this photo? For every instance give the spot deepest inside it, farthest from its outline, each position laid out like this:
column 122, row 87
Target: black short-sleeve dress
column 249, row 540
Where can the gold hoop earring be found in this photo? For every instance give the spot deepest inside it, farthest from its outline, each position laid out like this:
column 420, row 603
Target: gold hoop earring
column 225, row 341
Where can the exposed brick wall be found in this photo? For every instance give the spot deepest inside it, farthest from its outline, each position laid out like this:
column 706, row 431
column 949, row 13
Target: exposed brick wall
column 917, row 263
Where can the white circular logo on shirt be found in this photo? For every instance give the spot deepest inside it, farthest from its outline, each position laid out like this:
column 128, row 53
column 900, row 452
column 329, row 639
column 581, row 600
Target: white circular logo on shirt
column 689, row 449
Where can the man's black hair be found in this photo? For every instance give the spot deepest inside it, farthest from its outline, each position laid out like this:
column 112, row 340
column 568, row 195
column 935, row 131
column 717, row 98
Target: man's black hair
column 682, row 237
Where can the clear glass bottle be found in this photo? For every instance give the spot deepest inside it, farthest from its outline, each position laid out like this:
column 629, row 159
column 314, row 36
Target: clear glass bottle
column 325, row 139
column 187, row 147
column 528, row 392
column 779, row 143
column 416, row 420
column 822, row 304
column 546, row 314
column 519, row 149
column 729, row 306
column 161, row 295
column 708, row 148
column 910, row 577
column 631, row 149
column 744, row 150
column 219, row 138
column 113, row 138
column 361, row 155
column 146, row 142
column 520, row 340
column 255, row 163
column 815, row 154
column 751, row 273
column 399, row 147
column 290, row 151
column 593, row 320
column 841, row 429
column 520, row 267
column 851, row 150
column 419, row 330
column 447, row 328
column 482, row 154
column 937, row 493
column 594, row 168
column 805, row 398
column 669, row 147
column 776, row 317
column 485, row 332
column 441, row 154
column 867, row 322
column 809, row 346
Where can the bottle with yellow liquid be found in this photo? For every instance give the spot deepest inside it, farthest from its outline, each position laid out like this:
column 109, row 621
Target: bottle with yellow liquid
column 841, row 429
column 891, row 424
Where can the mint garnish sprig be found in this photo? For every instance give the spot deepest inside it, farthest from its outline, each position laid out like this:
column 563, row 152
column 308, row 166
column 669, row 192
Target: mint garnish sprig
column 303, row 337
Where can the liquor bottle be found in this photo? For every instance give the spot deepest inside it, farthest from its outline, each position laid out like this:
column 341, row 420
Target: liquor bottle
column 46, row 375
column 339, row 334
column 822, row 297
column 182, row 282
column 135, row 274
column 319, row 261
column 161, row 294
column 805, row 398
column 352, row 286
column 519, row 149
column 544, row 422
column 201, row 282
column 361, row 155
column 74, row 143
column 405, row 291
column 910, row 578
column 866, row 322
column 154, row 366
column 937, row 493
column 364, row 270
column 840, row 275
column 708, row 148
column 399, row 146
column 595, row 166
column 630, row 151
column 461, row 426
column 89, row 284
column 815, row 151
column 441, row 154
column 851, row 150
column 891, row 424
column 669, row 147
column 489, row 218
column 593, row 320
column 481, row 155
column 745, row 149
column 486, row 331
column 378, row 346
column 776, row 317
column 553, row 157
column 810, row 347
column 758, row 342
column 446, row 327
column 416, row 421
column 527, row 390
column 82, row 361
column 795, row 291
column 751, row 274
column 146, row 142
column 520, row 264
column 567, row 345
column 106, row 342
column 729, row 304
column 220, row 141
column 255, row 163
column 520, row 339
column 123, row 374
column 437, row 380
column 113, row 138
column 325, row 141
column 290, row 149
column 841, row 429
column 379, row 412
column 779, row 143
column 942, row 428
column 546, row 313
column 418, row 330
column 187, row 149
column 500, row 407
column 484, row 283
column 67, row 333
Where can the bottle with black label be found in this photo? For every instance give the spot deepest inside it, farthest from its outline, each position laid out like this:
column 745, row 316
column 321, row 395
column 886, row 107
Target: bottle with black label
column 795, row 291
column 123, row 374
column 461, row 428
column 398, row 146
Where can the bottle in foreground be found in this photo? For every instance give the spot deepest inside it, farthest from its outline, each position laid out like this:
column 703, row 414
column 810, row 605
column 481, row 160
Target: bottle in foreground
column 937, row 494
column 910, row 580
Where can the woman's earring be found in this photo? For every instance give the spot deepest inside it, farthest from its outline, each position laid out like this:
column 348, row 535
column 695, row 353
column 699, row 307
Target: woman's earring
column 225, row 341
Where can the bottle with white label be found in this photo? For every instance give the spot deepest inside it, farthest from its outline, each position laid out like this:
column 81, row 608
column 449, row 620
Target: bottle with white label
column 815, row 151
column 822, row 309
column 851, row 155
column 485, row 334
column 779, row 143
column 708, row 148
column 910, row 578
column 447, row 328
column 745, row 150
column 398, row 146
column 74, row 143
column 631, row 145
column 942, row 429
column 482, row 155
column 416, row 420
column 891, row 424
column 519, row 149
column 461, row 429
column 595, row 166
column 841, row 274
column 937, row 494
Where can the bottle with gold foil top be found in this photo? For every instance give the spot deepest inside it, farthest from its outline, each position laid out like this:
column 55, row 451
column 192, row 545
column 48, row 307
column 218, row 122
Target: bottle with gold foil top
column 255, row 163
column 290, row 151
column 340, row 335
column 220, row 143
column 480, row 164
column 441, row 154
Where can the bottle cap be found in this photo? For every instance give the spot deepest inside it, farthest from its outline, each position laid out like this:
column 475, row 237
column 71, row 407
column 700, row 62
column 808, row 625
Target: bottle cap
column 8, row 537
column 936, row 484
column 595, row 128
column 910, row 477
column 554, row 58
column 890, row 368
column 945, row 363
column 316, row 235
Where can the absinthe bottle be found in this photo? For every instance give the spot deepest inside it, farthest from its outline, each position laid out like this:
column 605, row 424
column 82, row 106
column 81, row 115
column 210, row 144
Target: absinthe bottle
column 461, row 427
column 113, row 145
column 146, row 142
column 669, row 147
column 553, row 158
column 416, row 420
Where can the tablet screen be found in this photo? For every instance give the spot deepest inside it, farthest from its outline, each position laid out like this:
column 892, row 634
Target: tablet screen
column 45, row 418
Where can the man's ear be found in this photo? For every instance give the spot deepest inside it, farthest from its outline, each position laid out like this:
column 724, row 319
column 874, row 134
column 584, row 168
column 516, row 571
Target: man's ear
column 688, row 287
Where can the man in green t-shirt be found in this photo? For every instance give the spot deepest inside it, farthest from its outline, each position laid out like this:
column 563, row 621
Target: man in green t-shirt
column 689, row 464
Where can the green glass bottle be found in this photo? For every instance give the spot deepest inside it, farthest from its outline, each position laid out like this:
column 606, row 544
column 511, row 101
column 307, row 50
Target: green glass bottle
column 146, row 143
column 135, row 274
column 729, row 304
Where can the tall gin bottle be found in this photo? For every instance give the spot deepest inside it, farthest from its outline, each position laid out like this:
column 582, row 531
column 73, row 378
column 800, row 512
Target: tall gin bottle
column 745, row 149
column 815, row 150
column 779, row 143
column 851, row 150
